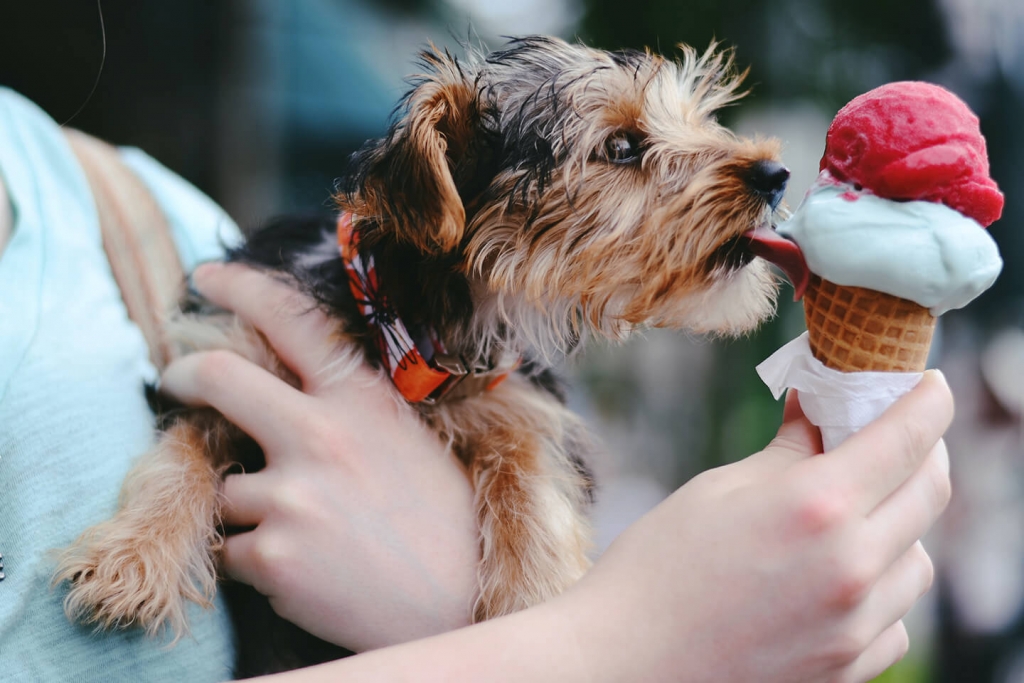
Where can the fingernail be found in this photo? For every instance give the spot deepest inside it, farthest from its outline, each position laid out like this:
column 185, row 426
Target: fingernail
column 937, row 374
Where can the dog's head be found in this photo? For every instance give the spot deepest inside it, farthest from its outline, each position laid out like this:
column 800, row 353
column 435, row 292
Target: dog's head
column 577, row 190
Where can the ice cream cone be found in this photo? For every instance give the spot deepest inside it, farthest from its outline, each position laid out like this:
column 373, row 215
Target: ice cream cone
column 853, row 329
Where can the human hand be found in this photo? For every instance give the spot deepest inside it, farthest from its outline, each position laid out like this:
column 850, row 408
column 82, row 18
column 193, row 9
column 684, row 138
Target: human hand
column 786, row 566
column 364, row 527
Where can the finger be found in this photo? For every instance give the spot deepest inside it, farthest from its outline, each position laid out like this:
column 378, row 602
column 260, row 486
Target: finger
column 799, row 434
column 898, row 589
column 243, row 559
column 910, row 511
column 260, row 404
column 792, row 409
column 245, row 499
column 796, row 439
column 890, row 647
column 878, row 459
column 297, row 330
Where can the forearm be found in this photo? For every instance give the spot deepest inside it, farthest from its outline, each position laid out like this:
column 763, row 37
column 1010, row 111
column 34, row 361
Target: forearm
column 539, row 645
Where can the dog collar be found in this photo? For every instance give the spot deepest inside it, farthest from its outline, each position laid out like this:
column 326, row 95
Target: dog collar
column 420, row 366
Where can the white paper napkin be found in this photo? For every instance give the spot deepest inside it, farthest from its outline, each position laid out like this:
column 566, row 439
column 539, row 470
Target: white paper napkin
column 839, row 403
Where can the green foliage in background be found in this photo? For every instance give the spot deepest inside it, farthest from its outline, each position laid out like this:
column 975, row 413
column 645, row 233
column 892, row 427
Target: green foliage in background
column 907, row 671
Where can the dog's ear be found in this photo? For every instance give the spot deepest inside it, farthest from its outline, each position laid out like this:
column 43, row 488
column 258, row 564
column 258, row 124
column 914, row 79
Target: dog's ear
column 405, row 180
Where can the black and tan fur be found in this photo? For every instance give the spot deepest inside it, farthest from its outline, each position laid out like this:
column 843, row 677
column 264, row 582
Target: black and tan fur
column 521, row 202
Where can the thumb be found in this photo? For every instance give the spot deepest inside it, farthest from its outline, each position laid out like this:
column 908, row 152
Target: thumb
column 797, row 439
column 796, row 433
column 792, row 410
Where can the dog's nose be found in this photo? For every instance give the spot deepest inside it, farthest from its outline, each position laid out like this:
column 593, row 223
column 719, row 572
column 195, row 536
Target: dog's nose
column 768, row 179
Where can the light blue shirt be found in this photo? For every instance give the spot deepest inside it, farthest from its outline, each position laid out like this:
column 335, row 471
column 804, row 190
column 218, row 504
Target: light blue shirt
column 72, row 412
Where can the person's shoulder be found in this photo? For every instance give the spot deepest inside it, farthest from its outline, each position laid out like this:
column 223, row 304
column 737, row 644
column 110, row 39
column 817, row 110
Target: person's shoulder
column 16, row 103
column 201, row 228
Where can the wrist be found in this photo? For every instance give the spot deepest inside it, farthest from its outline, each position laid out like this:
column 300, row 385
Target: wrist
column 541, row 645
column 617, row 635
column 596, row 634
column 566, row 640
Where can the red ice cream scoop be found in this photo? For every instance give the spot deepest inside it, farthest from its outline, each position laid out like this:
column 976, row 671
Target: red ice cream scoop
column 913, row 140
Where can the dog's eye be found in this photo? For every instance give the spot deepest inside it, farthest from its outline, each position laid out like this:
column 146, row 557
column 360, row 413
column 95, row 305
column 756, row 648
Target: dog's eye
column 622, row 148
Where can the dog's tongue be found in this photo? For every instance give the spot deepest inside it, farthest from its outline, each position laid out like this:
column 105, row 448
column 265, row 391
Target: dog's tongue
column 773, row 247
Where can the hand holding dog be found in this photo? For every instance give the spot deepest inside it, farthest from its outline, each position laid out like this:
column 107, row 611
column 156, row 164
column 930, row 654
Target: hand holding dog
column 784, row 566
column 364, row 528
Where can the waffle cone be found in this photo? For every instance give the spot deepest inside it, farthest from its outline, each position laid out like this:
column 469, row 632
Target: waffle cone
column 853, row 329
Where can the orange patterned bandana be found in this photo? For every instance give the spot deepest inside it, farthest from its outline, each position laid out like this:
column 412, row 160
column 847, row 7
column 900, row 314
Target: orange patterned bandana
column 419, row 366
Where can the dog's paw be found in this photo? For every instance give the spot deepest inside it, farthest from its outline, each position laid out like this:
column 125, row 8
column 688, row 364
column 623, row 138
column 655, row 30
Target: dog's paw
column 121, row 576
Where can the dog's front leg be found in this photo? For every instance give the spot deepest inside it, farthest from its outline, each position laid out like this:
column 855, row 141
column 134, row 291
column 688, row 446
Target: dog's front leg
column 530, row 498
column 140, row 567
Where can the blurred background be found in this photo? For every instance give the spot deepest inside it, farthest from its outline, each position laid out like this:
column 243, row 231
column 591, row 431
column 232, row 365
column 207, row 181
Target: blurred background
column 259, row 103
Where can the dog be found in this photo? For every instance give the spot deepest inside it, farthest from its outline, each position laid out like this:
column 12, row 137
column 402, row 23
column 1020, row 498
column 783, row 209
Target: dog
column 522, row 202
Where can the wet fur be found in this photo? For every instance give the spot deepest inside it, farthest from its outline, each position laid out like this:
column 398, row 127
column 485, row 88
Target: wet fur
column 496, row 215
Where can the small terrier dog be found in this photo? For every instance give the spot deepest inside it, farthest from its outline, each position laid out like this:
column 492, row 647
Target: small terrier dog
column 522, row 201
